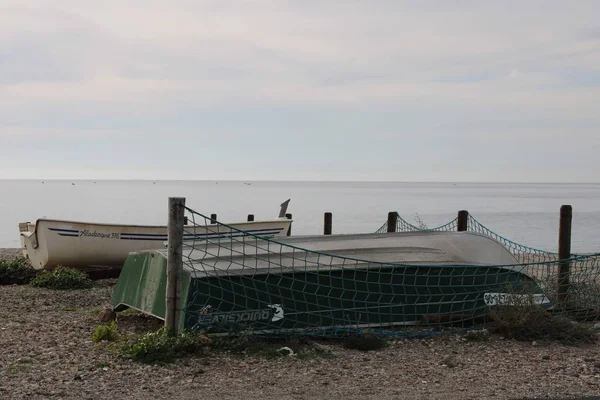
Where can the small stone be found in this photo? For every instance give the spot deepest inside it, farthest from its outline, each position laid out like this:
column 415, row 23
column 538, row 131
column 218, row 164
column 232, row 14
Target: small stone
column 106, row 315
column 321, row 348
column 450, row 362
column 545, row 357
column 534, row 343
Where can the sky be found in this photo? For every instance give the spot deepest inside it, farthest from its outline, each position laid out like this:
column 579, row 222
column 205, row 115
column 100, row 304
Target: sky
column 492, row 91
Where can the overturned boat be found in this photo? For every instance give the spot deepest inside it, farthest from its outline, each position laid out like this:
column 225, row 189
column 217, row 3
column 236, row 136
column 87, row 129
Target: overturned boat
column 50, row 243
column 308, row 283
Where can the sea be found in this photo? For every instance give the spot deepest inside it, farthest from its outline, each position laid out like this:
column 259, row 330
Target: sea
column 527, row 213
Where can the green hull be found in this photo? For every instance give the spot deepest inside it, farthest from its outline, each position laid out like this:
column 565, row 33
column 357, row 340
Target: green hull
column 389, row 295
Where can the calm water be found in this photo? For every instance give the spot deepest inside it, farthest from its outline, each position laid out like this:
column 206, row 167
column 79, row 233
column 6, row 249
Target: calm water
column 526, row 213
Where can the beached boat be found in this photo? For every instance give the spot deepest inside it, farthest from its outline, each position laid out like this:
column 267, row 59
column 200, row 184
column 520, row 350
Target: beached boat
column 310, row 282
column 50, row 243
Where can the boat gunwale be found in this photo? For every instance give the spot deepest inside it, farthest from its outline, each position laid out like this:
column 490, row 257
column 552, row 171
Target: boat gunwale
column 147, row 226
column 512, row 266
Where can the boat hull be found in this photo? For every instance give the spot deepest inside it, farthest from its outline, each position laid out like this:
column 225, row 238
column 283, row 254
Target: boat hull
column 52, row 243
column 329, row 282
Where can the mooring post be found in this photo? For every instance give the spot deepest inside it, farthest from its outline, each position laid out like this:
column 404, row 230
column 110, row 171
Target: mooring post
column 327, row 223
column 462, row 222
column 289, row 232
column 213, row 218
column 392, row 221
column 564, row 253
column 174, row 262
column 250, row 217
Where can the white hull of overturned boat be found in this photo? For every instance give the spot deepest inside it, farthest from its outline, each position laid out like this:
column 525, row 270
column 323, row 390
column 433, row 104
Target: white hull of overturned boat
column 50, row 243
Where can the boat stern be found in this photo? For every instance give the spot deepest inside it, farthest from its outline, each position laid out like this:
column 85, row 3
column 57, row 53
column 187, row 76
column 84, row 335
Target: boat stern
column 25, row 228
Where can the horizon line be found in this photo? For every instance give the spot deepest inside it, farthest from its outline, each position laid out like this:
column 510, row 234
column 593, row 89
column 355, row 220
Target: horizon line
column 296, row 181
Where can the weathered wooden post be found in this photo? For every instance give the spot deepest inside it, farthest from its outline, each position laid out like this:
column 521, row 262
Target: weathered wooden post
column 213, row 218
column 174, row 262
column 564, row 253
column 289, row 232
column 392, row 221
column 250, row 217
column 462, row 222
column 327, row 223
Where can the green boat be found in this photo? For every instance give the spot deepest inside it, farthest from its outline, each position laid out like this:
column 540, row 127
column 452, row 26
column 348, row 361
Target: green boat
column 308, row 283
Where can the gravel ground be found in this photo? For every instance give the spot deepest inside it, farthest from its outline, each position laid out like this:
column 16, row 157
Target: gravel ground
column 9, row 253
column 47, row 352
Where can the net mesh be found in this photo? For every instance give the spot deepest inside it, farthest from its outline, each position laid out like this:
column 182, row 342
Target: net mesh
column 245, row 281
column 403, row 225
column 524, row 254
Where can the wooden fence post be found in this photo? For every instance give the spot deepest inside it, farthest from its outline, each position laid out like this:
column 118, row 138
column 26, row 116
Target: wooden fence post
column 289, row 232
column 462, row 223
column 327, row 223
column 174, row 263
column 250, row 217
column 564, row 253
column 392, row 221
column 213, row 218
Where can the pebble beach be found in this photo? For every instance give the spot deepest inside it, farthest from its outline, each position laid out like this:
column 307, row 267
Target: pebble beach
column 48, row 353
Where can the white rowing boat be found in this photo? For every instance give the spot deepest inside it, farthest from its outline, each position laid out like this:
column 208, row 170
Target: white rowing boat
column 50, row 243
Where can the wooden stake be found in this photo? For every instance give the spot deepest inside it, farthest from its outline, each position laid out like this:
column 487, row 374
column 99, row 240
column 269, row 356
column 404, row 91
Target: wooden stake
column 327, row 223
column 564, row 253
column 174, row 263
column 462, row 224
column 392, row 221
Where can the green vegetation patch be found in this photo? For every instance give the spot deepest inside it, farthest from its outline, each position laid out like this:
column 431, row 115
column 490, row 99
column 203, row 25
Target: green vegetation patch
column 63, row 278
column 16, row 271
column 105, row 333
column 161, row 346
column 524, row 320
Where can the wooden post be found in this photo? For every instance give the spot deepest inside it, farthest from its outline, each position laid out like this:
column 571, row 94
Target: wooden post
column 564, row 253
column 250, row 217
column 213, row 218
column 289, row 232
column 174, row 263
column 327, row 223
column 392, row 221
column 462, row 222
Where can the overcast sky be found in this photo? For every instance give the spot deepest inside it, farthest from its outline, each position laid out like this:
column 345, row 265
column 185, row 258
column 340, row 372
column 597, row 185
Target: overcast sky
column 300, row 90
